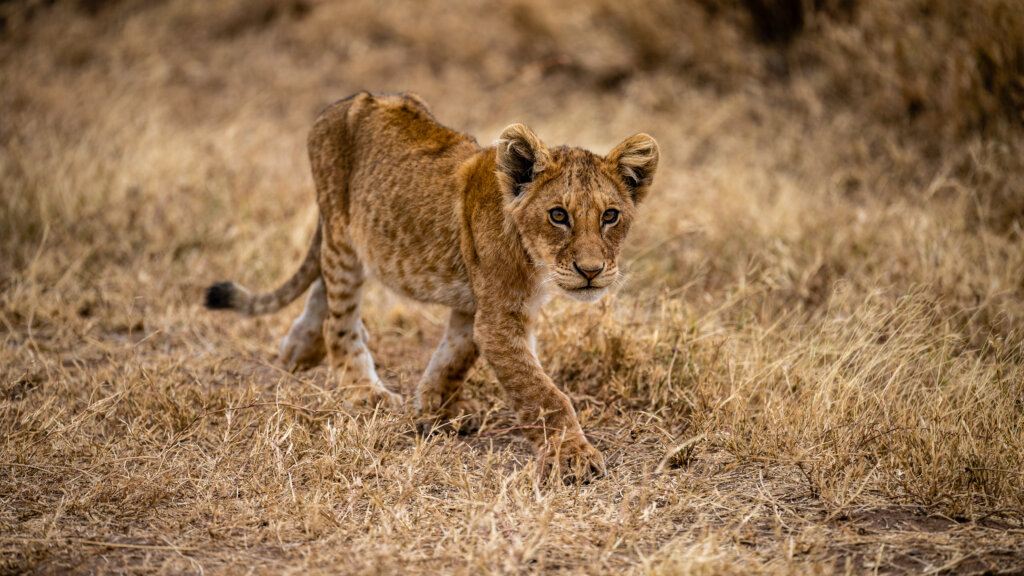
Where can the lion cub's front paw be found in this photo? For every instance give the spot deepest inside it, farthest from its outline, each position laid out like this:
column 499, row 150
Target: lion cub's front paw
column 573, row 460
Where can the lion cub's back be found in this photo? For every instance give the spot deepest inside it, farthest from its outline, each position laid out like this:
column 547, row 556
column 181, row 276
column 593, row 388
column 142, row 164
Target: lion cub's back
column 393, row 188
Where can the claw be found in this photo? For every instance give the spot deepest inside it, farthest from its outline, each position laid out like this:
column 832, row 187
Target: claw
column 574, row 460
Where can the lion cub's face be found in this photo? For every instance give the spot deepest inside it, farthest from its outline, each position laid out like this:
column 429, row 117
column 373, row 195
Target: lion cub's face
column 573, row 208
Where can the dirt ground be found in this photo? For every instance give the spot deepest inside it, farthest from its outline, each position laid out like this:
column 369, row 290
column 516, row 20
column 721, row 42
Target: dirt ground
column 815, row 366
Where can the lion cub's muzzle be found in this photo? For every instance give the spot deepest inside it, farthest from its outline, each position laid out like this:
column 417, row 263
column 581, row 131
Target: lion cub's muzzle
column 586, row 281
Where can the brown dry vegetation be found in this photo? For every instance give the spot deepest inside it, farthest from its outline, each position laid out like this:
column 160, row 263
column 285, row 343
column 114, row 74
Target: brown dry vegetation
column 815, row 367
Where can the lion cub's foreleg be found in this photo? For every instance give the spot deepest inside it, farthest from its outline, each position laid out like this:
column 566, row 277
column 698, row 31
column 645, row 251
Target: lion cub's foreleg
column 439, row 394
column 505, row 337
column 344, row 332
column 303, row 347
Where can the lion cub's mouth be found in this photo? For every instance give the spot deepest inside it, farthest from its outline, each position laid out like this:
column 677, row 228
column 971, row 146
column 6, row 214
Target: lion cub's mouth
column 585, row 293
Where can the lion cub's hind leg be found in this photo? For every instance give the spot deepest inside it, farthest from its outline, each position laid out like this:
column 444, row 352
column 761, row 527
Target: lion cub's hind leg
column 303, row 347
column 344, row 332
column 439, row 397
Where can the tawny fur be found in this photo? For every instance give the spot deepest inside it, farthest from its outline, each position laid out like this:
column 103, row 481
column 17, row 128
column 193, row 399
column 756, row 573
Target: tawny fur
column 440, row 219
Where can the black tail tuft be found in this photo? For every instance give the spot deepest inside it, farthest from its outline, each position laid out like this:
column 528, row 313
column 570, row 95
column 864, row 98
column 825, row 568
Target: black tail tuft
column 218, row 296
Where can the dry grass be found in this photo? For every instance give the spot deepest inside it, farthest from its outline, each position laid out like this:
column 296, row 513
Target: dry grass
column 816, row 367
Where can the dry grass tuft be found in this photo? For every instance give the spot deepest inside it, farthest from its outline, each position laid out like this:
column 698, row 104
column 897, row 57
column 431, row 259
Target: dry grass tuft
column 817, row 365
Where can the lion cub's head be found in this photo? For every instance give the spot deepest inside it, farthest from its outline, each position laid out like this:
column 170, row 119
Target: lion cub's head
column 574, row 208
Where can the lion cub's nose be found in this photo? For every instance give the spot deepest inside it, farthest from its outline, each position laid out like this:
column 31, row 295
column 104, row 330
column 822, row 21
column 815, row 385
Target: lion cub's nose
column 589, row 270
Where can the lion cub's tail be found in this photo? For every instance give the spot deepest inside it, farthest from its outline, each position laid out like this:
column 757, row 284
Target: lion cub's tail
column 231, row 296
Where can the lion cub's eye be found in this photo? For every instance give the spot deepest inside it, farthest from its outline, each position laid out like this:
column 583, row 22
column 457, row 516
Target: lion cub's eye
column 559, row 216
column 611, row 216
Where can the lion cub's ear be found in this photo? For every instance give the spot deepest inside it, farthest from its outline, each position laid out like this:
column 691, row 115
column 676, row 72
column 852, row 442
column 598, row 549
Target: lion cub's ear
column 636, row 161
column 521, row 156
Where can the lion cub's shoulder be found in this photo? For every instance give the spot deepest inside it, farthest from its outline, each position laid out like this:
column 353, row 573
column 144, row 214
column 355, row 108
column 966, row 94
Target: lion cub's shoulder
column 379, row 115
column 405, row 106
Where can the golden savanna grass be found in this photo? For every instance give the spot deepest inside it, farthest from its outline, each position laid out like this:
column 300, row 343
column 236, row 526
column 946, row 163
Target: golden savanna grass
column 816, row 365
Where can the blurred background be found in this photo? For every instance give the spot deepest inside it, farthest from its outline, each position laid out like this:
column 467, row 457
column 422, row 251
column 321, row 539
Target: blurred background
column 758, row 104
column 824, row 305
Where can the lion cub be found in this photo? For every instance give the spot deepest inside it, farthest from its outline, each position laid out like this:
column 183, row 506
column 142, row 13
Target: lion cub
column 485, row 231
